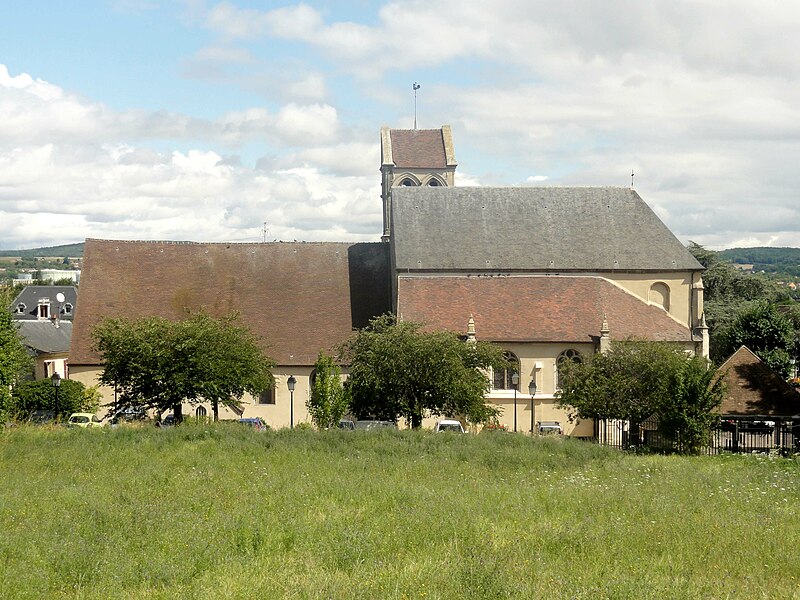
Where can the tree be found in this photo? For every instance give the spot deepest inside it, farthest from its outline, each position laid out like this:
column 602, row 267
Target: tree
column 15, row 362
column 157, row 363
column 727, row 292
column 687, row 418
column 636, row 380
column 399, row 370
column 630, row 382
column 328, row 401
column 73, row 396
column 765, row 331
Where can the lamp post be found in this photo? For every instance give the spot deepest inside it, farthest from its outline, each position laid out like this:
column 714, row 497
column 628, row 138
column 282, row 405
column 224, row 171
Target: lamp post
column 532, row 392
column 55, row 379
column 515, row 383
column 291, row 383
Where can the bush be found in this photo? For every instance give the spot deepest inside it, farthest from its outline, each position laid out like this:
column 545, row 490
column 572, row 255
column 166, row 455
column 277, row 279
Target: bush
column 73, row 396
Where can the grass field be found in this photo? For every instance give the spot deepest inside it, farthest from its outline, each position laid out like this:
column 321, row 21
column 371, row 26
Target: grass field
column 227, row 512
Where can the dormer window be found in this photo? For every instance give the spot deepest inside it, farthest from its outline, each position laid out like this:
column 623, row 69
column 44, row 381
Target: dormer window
column 20, row 310
column 43, row 310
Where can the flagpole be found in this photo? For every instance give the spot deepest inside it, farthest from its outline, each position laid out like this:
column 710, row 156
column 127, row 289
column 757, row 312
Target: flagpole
column 416, row 86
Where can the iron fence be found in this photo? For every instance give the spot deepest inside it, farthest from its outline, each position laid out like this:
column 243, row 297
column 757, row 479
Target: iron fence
column 732, row 434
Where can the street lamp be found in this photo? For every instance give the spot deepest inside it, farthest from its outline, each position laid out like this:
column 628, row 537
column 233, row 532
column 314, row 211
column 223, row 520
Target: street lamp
column 532, row 392
column 515, row 383
column 56, row 381
column 291, row 383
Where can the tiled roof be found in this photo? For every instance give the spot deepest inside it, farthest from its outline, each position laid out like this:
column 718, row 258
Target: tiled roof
column 753, row 388
column 534, row 309
column 44, row 337
column 531, row 229
column 299, row 297
column 415, row 148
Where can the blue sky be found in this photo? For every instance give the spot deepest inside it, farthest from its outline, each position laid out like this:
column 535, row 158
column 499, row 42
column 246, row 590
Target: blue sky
column 137, row 119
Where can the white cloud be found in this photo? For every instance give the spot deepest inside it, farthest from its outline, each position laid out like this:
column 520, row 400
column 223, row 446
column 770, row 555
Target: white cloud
column 698, row 98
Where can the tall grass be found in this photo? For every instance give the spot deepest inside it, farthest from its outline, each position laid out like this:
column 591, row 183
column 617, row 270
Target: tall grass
column 227, row 512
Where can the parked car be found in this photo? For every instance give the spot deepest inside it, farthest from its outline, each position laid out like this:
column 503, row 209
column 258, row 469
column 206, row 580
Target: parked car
column 256, row 423
column 84, row 420
column 41, row 417
column 371, row 425
column 449, row 425
column 347, row 424
column 549, row 427
column 168, row 421
column 128, row 415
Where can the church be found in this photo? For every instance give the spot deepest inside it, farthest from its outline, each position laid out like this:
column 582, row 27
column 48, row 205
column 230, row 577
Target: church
column 551, row 274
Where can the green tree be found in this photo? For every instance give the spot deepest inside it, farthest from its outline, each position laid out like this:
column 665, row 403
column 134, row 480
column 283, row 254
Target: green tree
column 399, row 370
column 328, row 401
column 15, row 363
column 727, row 292
column 636, row 380
column 157, row 363
column 629, row 382
column 765, row 331
column 688, row 416
column 73, row 396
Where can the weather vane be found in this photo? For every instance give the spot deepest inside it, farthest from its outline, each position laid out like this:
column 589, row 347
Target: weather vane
column 416, row 87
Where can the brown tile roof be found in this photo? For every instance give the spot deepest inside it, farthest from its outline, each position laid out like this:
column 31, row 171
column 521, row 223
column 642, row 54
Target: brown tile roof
column 541, row 309
column 755, row 389
column 413, row 148
column 299, row 297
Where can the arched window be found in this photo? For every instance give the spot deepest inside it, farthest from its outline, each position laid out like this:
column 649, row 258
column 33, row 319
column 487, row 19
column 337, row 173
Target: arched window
column 501, row 379
column 569, row 355
column 407, row 182
column 200, row 412
column 67, row 310
column 659, row 295
column 21, row 308
column 433, row 182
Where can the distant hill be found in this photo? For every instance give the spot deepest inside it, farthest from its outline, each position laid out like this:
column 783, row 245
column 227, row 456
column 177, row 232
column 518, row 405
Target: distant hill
column 782, row 262
column 70, row 250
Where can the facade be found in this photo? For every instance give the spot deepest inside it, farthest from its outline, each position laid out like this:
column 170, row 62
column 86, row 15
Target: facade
column 300, row 298
column 550, row 274
column 44, row 315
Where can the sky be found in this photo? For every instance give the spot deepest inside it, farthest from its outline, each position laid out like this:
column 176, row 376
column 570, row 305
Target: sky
column 241, row 121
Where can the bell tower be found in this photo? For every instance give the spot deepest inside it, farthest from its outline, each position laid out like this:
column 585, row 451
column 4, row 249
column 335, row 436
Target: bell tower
column 414, row 157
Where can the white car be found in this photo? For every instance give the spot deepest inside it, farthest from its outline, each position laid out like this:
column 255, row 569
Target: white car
column 85, row 420
column 550, row 427
column 449, row 425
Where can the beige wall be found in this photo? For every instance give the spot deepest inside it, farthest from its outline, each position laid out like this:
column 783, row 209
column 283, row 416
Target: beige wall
column 679, row 284
column 277, row 415
column 539, row 361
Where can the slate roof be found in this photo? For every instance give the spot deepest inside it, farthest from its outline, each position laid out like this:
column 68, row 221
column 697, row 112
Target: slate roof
column 418, row 148
column 299, row 297
column 31, row 294
column 534, row 308
column 553, row 229
column 43, row 337
column 755, row 389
